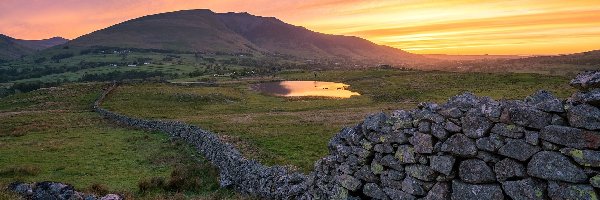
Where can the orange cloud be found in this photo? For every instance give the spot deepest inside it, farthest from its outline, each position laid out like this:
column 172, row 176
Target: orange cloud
column 451, row 26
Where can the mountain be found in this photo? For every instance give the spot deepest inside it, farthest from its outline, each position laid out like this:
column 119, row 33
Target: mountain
column 206, row 31
column 11, row 48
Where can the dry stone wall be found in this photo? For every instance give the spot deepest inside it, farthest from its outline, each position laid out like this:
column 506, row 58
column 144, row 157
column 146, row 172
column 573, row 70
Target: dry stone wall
column 468, row 148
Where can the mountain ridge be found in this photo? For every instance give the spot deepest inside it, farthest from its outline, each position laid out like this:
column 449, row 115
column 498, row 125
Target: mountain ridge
column 11, row 48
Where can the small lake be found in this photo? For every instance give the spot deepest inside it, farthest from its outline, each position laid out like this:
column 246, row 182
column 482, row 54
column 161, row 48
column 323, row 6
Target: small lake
column 306, row 89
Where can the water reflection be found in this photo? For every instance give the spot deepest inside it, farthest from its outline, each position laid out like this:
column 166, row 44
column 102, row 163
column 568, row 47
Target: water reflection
column 306, row 88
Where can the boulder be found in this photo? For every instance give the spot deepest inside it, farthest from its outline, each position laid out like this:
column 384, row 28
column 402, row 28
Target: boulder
column 396, row 194
column 465, row 191
column 571, row 137
column 585, row 116
column 592, row 97
column 349, row 182
column 475, row 124
column 452, row 127
column 460, row 145
column 551, row 165
column 545, row 101
column 518, row 149
column 422, row 143
column 442, row 164
column 586, row 80
column 506, row 130
column 421, row 172
column 439, row 191
column 509, row 168
column 475, row 171
column 374, row 122
column 491, row 143
column 561, row 190
column 586, row 158
column 413, row 186
column 373, row 191
column 528, row 116
column 406, row 154
column 525, row 189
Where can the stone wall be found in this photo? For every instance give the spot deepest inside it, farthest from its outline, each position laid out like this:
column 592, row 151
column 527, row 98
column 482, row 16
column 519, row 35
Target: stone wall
column 468, row 148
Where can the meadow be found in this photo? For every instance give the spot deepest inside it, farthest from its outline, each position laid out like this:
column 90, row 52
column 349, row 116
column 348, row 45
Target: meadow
column 295, row 131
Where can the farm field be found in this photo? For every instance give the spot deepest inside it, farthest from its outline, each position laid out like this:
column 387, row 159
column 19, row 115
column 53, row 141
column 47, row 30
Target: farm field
column 295, row 131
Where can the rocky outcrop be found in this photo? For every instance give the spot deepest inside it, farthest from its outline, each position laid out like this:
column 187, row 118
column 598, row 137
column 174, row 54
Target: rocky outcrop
column 467, row 148
column 54, row 190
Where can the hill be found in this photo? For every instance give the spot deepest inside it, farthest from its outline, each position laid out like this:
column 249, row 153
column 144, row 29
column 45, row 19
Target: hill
column 11, row 48
column 206, row 31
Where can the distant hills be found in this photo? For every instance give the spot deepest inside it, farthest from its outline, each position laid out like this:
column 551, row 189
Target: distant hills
column 206, row 31
column 11, row 48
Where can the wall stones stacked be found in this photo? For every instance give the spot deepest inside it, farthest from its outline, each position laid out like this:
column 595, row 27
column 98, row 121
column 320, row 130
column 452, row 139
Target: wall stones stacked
column 468, row 148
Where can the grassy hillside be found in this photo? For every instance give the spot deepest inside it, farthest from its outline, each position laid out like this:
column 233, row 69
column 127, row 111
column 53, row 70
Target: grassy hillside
column 295, row 131
column 52, row 134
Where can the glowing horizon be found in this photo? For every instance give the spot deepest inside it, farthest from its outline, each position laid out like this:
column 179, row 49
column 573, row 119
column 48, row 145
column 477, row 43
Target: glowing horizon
column 434, row 27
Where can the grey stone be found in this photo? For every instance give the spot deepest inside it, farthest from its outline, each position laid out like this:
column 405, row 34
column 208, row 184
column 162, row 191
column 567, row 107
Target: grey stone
column 452, row 127
column 586, row 80
column 396, row 194
column 373, row 191
column 518, row 149
column 560, row 190
column 442, row 164
column 450, row 112
column 391, row 162
column 383, row 148
column 424, row 127
column 439, row 131
column 558, row 120
column 532, row 137
column 491, row 143
column 349, row 182
column 525, row 189
column 586, row 158
column 413, row 186
column 394, row 174
column 463, row 101
column 406, row 154
column 550, row 165
column 488, row 157
column 421, row 172
column 376, row 168
column 465, row 191
column 422, row 143
column 365, row 174
column 549, row 146
column 374, row 122
column 440, row 191
column 585, row 116
column 509, row 168
column 111, row 197
column 571, row 137
column 529, row 117
column 475, row 125
column 460, row 145
column 592, row 97
column 506, row 130
column 545, row 101
column 475, row 171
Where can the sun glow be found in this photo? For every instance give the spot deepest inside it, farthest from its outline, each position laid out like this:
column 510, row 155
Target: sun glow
column 448, row 27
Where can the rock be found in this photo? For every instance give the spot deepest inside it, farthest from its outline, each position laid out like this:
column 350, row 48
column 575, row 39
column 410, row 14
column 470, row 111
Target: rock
column 558, row 120
column 22, row 189
column 463, row 101
column 595, row 181
column 395, row 194
column 365, row 174
column 111, row 197
column 406, row 154
column 586, row 158
column 559, row 190
column 475, row 171
column 376, row 168
column 394, row 174
column 450, row 112
column 439, row 131
column 491, row 143
column 383, row 148
column 452, row 127
column 551, row 165
column 488, row 157
column 509, row 168
column 373, row 191
column 374, row 122
column 585, row 116
column 460, row 145
column 421, row 172
column 442, row 164
column 532, row 137
column 528, row 117
column 592, row 97
column 440, row 191
column 571, row 137
column 518, row 149
column 465, row 191
column 525, row 189
column 349, row 182
column 422, row 143
column 413, row 186
column 586, row 80
column 475, row 125
column 545, row 101
column 424, row 127
column 510, row 131
column 391, row 162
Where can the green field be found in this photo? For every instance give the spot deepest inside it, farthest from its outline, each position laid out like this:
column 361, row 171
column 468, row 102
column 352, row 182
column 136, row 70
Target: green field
column 295, row 131
column 52, row 134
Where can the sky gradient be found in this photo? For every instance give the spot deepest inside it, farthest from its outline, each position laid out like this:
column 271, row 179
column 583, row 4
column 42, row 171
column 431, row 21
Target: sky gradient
column 446, row 27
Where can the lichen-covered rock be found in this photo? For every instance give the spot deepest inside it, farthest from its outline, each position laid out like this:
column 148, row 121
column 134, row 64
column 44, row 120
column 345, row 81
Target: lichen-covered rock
column 396, row 194
column 525, row 189
column 595, row 181
column 571, row 137
column 508, row 130
column 422, row 143
column 475, row 171
column 509, row 168
column 413, row 186
column 587, row 80
column 349, row 182
column 585, row 116
column 442, row 164
column 464, row 191
column 592, row 97
column 374, row 122
column 383, row 148
column 545, row 101
column 587, row 158
column 491, row 143
column 406, row 154
column 464, row 101
column 421, row 172
column 528, row 116
column 373, row 191
column 475, row 124
column 365, row 174
column 518, row 149
column 551, row 165
column 460, row 145
column 560, row 190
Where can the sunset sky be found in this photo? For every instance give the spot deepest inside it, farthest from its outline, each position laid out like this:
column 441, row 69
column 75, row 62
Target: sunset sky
column 447, row 27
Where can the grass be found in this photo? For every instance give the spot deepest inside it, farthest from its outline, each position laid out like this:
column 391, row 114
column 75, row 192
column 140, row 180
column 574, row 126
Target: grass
column 52, row 134
column 295, row 131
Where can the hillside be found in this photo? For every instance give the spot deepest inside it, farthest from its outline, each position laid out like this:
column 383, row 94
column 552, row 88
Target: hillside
column 11, row 48
column 206, row 31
